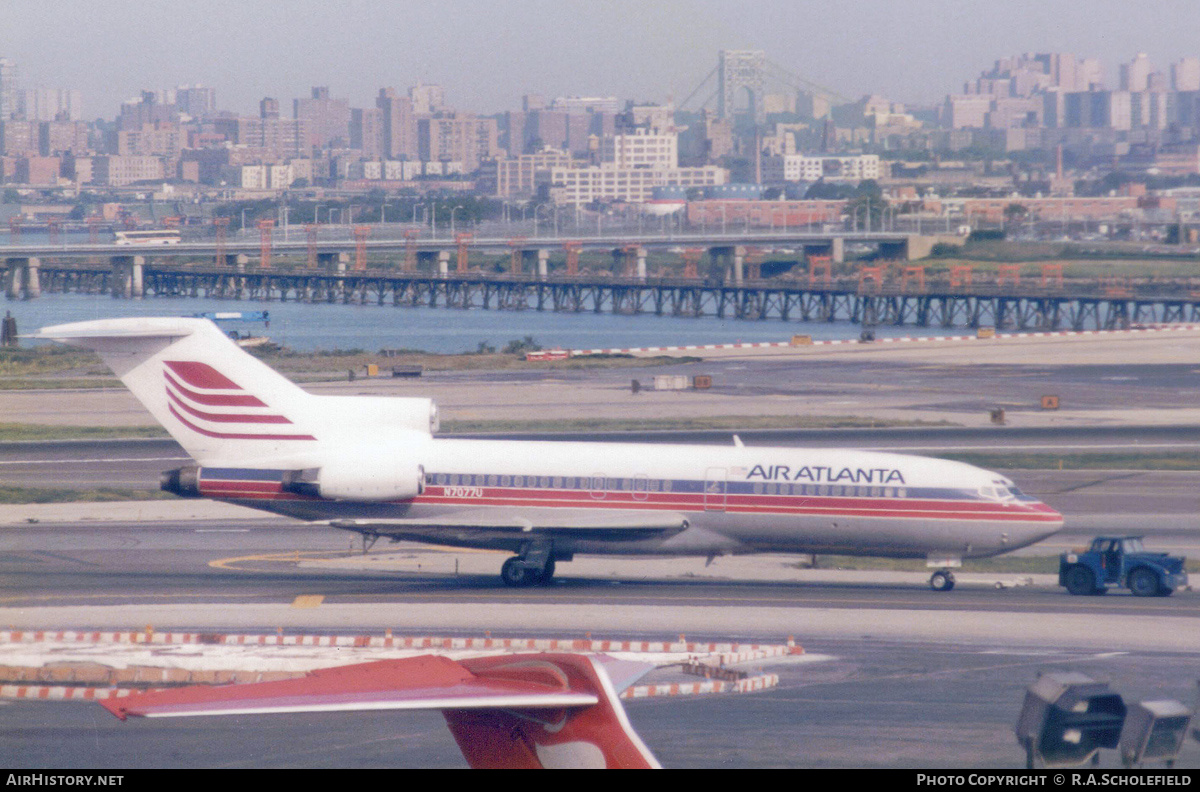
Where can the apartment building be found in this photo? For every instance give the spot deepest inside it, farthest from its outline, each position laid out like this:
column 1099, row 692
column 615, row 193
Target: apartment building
column 809, row 167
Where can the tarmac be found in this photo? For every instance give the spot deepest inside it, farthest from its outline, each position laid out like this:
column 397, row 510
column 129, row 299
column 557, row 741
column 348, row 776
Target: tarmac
column 498, row 396
column 573, row 395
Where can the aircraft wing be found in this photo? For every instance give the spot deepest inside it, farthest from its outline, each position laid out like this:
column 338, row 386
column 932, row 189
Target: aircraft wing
column 592, row 521
column 505, row 711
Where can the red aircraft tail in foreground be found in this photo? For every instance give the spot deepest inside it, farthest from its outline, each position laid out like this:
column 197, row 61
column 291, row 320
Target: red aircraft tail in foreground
column 505, row 711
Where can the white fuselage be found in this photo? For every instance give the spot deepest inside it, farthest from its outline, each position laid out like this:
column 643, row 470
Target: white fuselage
column 734, row 499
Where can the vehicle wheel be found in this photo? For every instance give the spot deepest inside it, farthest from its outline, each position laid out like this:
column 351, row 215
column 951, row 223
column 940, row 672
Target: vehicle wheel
column 547, row 573
column 1143, row 582
column 1080, row 581
column 941, row 580
column 515, row 574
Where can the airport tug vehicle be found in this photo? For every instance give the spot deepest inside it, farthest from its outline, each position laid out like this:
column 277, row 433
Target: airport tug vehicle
column 1123, row 562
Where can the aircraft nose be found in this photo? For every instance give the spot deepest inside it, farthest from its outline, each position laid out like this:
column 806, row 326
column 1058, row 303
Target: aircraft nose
column 1048, row 519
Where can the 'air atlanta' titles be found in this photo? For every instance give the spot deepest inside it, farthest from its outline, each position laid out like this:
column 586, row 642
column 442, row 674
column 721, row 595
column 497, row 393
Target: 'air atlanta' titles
column 819, row 474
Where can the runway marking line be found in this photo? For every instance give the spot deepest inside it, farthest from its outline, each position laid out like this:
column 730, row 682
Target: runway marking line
column 227, row 563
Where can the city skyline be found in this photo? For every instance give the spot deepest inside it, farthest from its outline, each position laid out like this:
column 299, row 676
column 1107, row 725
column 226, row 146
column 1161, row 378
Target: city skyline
column 915, row 53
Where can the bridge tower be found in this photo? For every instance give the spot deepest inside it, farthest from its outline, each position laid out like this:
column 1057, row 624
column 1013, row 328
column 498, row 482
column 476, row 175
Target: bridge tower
column 741, row 70
column 310, row 238
column 361, row 232
column 572, row 248
column 221, row 226
column 463, row 240
column 516, row 247
column 264, row 229
column 410, row 250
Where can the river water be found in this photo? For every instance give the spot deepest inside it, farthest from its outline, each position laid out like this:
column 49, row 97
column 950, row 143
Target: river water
column 323, row 326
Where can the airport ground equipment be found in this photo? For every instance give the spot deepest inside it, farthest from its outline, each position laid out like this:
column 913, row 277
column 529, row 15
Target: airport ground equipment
column 1067, row 718
column 1123, row 562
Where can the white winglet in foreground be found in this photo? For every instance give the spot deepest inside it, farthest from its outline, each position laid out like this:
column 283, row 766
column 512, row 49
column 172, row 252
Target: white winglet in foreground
column 373, row 465
column 505, row 711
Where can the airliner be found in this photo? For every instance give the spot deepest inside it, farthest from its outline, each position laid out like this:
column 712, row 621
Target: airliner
column 375, row 466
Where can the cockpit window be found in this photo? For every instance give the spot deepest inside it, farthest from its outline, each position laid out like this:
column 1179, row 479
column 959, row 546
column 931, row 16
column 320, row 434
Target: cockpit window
column 998, row 492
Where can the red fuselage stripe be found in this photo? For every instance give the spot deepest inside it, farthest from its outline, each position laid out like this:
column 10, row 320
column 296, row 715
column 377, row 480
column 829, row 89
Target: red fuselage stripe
column 783, row 506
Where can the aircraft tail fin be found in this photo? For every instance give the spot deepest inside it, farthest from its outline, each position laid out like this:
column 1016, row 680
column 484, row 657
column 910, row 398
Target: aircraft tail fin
column 220, row 403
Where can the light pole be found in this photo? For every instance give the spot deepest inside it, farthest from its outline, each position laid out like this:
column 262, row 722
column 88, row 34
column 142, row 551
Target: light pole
column 452, row 211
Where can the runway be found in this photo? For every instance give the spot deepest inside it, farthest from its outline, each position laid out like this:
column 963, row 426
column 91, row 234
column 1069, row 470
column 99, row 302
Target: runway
column 895, row 675
column 137, row 463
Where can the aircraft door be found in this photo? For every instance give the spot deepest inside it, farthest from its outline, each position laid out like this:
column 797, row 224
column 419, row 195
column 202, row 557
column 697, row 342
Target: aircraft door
column 715, row 485
column 596, row 486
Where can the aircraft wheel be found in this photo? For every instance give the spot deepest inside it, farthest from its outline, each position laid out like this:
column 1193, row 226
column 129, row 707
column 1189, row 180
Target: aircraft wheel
column 1080, row 581
column 516, row 574
column 547, row 573
column 1143, row 583
column 942, row 580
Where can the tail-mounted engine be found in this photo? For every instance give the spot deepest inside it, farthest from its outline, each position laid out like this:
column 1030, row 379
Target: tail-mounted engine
column 184, row 481
column 359, row 481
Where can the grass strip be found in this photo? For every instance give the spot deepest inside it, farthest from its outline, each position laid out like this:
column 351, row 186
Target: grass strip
column 25, row 495
column 17, row 432
column 1077, row 461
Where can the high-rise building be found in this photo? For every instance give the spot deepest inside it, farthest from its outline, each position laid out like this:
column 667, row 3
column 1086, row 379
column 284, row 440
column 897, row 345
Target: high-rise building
column 1136, row 74
column 427, row 99
column 367, row 132
column 147, row 109
column 272, row 138
column 328, row 119
column 641, row 148
column 49, row 104
column 458, row 138
column 8, row 89
column 196, row 100
column 399, row 125
column 1185, row 75
column 586, row 104
column 1089, row 74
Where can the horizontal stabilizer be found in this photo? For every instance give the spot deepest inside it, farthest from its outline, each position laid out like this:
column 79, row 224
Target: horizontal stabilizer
column 85, row 334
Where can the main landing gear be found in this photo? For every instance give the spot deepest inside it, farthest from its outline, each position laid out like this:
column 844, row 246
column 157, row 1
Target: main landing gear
column 942, row 580
column 533, row 567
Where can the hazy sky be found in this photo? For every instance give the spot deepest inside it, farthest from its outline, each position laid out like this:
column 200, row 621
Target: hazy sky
column 487, row 53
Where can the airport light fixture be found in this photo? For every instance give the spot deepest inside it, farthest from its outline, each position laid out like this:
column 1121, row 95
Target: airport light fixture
column 1154, row 732
column 1067, row 718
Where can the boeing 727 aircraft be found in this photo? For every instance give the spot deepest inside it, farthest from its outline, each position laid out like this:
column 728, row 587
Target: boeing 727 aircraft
column 374, row 465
